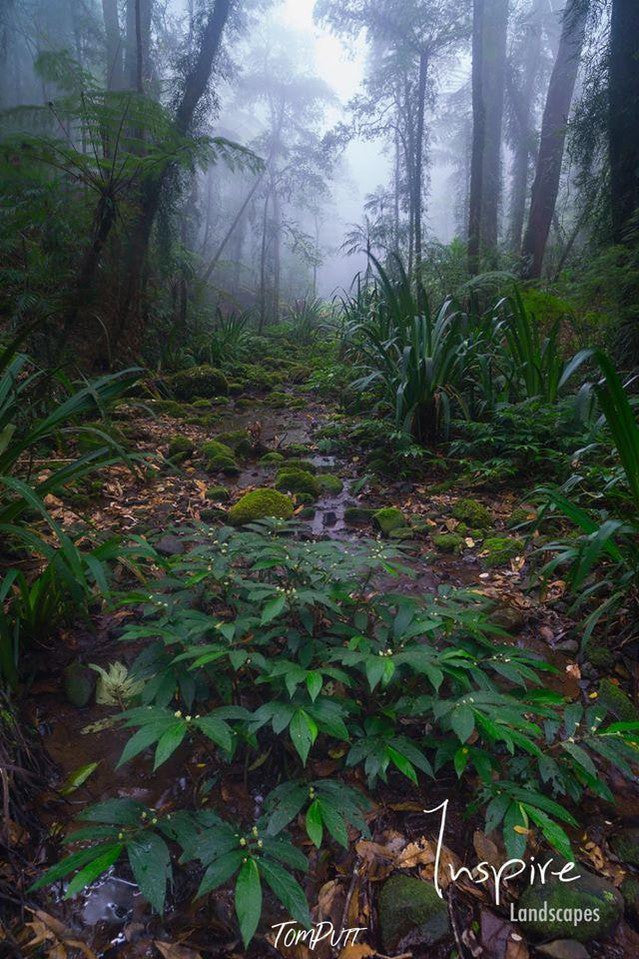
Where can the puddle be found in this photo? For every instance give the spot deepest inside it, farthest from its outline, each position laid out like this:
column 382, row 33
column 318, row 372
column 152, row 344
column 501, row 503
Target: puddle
column 111, row 900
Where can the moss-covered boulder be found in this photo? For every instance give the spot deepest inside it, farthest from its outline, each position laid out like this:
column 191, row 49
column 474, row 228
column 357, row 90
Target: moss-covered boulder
column 629, row 889
column 258, row 504
column 180, row 448
column 329, row 483
column 519, row 516
column 448, row 542
column 598, row 654
column 389, row 518
column 78, row 683
column 218, row 494
column 213, row 514
column 239, row 441
column 617, row 703
column 271, row 458
column 625, row 845
column 499, row 550
column 295, row 463
column 294, row 480
column 198, row 382
column 218, row 457
column 201, row 404
column 600, row 903
column 472, row 512
column 358, row 515
column 298, row 449
column 410, row 910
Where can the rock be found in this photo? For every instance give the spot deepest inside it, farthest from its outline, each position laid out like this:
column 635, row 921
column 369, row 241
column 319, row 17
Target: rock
column 564, row 949
column 404, row 532
column 499, row 550
column 389, row 518
column 219, row 494
column 239, row 441
column 180, row 446
column 357, row 515
column 625, row 845
column 170, row 545
column 219, row 457
column 410, row 907
column 418, row 523
column 473, row 512
column 294, row 480
column 617, row 703
column 519, row 516
column 601, row 905
column 598, row 654
column 213, row 514
column 448, row 542
column 509, row 618
column 258, row 504
column 272, row 457
column 330, row 483
column 199, row 381
column 629, row 889
column 78, row 683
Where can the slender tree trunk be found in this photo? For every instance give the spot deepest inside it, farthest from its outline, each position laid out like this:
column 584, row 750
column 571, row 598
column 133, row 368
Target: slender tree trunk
column 277, row 231
column 227, row 236
column 522, row 103
column 623, row 117
column 553, row 135
column 263, row 263
column 479, row 141
column 114, row 60
column 418, row 154
column 194, row 88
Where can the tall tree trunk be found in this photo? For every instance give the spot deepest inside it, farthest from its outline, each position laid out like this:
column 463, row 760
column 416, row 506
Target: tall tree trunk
column 194, row 87
column 277, row 236
column 493, row 81
column 553, row 135
column 113, row 36
column 623, row 116
column 418, row 155
column 479, row 141
column 522, row 103
column 263, row 262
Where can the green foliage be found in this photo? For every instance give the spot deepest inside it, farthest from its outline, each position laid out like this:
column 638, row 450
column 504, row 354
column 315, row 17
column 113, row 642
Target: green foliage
column 288, row 653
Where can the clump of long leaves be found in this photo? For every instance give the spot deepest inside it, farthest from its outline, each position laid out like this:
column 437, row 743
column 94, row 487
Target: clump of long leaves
column 608, row 538
column 290, row 654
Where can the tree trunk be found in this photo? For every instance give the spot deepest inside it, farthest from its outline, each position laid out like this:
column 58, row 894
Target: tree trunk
column 479, row 140
column 522, row 103
column 277, row 232
column 114, row 60
column 493, row 81
column 553, row 135
column 195, row 85
column 263, row 263
column 418, row 155
column 623, row 117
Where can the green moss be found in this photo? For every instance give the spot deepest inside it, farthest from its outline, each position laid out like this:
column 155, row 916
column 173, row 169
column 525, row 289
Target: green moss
column 409, row 906
column 518, row 517
column 330, row 483
column 239, row 441
column 298, row 449
column 389, row 518
column 629, row 889
column 357, row 515
column 473, row 512
column 277, row 400
column 625, row 845
column 180, row 445
column 299, row 464
column 260, row 503
column 171, row 408
column 588, row 892
column 218, row 494
column 202, row 404
column 499, row 550
column 597, row 653
column 219, row 458
column 199, row 381
column 617, row 703
column 272, row 457
column 297, row 481
column 213, row 514
column 448, row 542
column 403, row 532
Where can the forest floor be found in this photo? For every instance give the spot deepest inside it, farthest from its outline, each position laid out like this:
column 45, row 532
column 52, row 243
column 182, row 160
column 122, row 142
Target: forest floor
column 110, row 919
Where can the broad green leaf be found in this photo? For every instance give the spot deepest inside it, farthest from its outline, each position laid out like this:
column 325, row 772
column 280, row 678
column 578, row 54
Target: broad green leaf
column 95, row 868
column 169, row 742
column 220, row 871
column 151, row 866
column 303, row 730
column 288, row 891
column 79, row 776
column 462, row 720
column 248, row 899
column 314, row 826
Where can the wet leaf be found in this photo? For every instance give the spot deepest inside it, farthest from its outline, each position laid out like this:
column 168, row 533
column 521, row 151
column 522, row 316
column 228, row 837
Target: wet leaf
column 79, row 776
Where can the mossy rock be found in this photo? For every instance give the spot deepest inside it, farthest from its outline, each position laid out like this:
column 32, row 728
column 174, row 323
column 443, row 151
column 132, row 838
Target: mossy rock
column 79, row 683
column 171, row 408
column 629, row 889
column 277, row 400
column 499, row 550
column 295, row 463
column 213, row 514
column 448, row 542
column 389, row 518
column 419, row 524
column 244, row 403
column 258, row 504
column 598, row 654
column 219, row 494
column 180, row 446
column 616, row 702
column 519, row 516
column 218, row 457
column 298, row 449
column 473, row 512
column 589, row 892
column 201, row 403
column 358, row 515
column 410, row 909
column 199, row 382
column 272, row 457
column 239, row 441
column 297, row 481
column 402, row 532
column 308, row 513
column 330, row 483
column 625, row 845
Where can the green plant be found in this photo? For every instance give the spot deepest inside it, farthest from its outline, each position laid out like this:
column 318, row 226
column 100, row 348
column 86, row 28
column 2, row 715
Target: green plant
column 288, row 653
